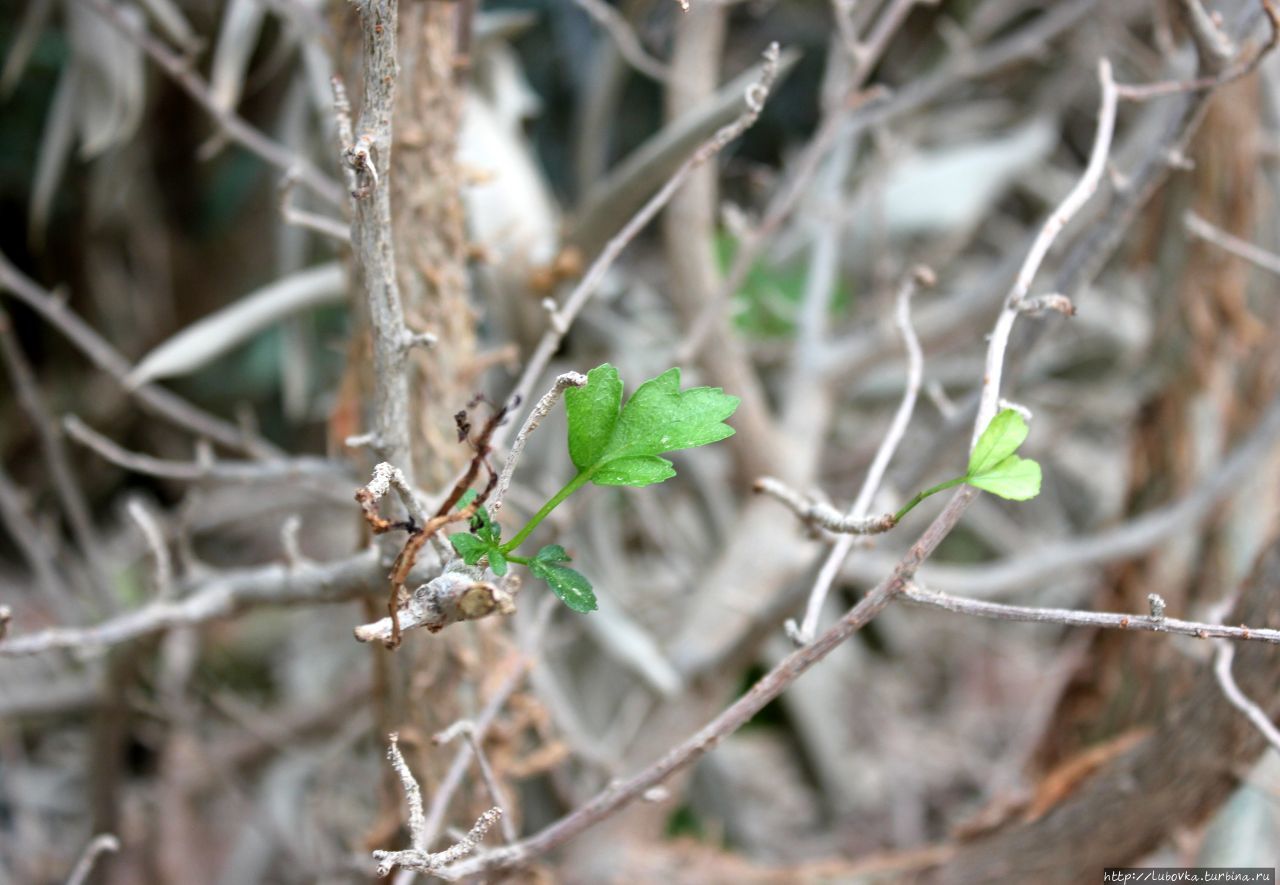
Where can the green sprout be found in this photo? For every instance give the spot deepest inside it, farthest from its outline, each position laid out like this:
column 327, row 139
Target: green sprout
column 611, row 444
column 993, row 466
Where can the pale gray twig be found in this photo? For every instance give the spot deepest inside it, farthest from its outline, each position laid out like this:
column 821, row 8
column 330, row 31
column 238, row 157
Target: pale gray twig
column 1053, row 225
column 313, row 221
column 215, row 597
column 162, row 562
column 540, row 411
column 387, row 477
column 97, row 845
column 418, row 858
column 1259, row 718
column 919, row 276
column 822, row 514
column 467, row 729
column 1240, row 248
column 462, row 593
column 1075, row 618
column 281, row 469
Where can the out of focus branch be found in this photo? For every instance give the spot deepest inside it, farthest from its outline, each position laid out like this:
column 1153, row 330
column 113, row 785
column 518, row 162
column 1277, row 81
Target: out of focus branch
column 1233, row 244
column 540, row 411
column 213, row 598
column 157, row 400
column 180, row 70
column 620, row 31
column 100, row 844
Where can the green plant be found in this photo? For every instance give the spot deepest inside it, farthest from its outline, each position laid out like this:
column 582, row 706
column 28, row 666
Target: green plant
column 611, row 445
column 993, row 466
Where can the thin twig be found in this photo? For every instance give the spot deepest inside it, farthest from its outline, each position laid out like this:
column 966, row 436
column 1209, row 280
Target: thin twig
column 467, row 729
column 154, row 399
column 281, row 470
column 1210, row 43
column 540, row 411
column 216, row 597
column 313, row 221
column 97, row 845
column 162, row 562
column 1240, row 248
column 821, row 514
column 629, row 46
column 563, row 318
column 1074, row 618
column 920, row 276
column 181, row 71
column 1259, row 718
column 1054, row 224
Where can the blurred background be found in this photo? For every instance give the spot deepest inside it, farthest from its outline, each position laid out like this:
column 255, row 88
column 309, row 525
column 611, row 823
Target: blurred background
column 179, row 327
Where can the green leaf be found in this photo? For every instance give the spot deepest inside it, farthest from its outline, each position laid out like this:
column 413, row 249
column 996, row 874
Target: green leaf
column 483, row 527
column 469, row 547
column 1014, row 478
column 572, row 587
column 467, row 497
column 552, row 553
column 497, row 561
column 1001, row 439
column 642, row 471
column 593, row 410
column 618, row 445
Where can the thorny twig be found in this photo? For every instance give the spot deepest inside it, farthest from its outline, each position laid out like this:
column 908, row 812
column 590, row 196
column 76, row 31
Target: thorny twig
column 540, row 411
column 418, row 858
column 919, row 276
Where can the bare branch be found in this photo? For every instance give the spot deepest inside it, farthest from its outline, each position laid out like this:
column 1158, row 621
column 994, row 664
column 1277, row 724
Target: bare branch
column 100, row 352
column 1075, row 618
column 180, row 70
column 1240, row 248
column 540, row 411
column 821, row 514
column 619, row 30
column 467, row 729
column 373, row 249
column 162, row 562
column 1053, row 226
column 1258, row 716
column 216, row 597
column 276, row 469
column 312, row 221
column 462, row 593
column 919, row 276
column 104, row 842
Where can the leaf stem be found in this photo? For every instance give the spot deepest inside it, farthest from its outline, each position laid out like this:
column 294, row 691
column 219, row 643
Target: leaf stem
column 574, row 484
column 940, row 487
column 522, row 560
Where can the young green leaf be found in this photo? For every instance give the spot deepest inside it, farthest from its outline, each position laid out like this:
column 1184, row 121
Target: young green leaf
column 1014, row 478
column 469, row 547
column 467, row 497
column 618, row 445
column 571, row 586
column 1001, row 439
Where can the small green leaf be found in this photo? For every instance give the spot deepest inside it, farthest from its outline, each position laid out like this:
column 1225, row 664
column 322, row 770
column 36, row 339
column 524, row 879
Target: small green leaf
column 552, row 553
column 572, row 587
column 618, row 445
column 497, row 561
column 467, row 497
column 483, row 527
column 1014, row 478
column 642, row 471
column 1001, row 439
column 469, row 547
